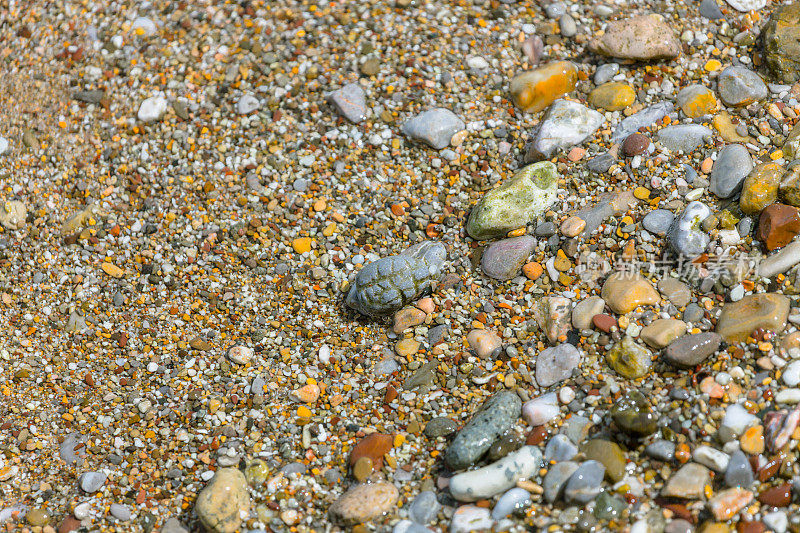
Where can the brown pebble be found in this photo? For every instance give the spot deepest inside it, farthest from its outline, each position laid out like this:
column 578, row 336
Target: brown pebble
column 635, row 144
column 767, row 471
column 604, row 322
column 778, row 225
column 536, row 436
column 69, row 524
column 749, row 526
column 779, row 496
column 374, row 446
column 363, row 468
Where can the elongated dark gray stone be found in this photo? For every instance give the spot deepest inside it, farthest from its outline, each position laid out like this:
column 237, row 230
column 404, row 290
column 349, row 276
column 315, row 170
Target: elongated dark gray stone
column 391, row 282
column 495, row 417
column 691, row 350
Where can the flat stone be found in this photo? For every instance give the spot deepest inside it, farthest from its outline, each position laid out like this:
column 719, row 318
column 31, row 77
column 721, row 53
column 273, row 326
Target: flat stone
column 556, row 364
column 732, row 166
column 662, row 450
column 556, row 480
column 434, row 127
column 711, row 457
column 424, row 508
column 503, row 260
column 224, row 502
column 684, row 137
column 565, row 124
column 675, row 291
column 662, row 332
column 760, row 188
column 710, row 10
column 534, row 90
column 515, row 203
column 496, row 415
column 350, row 101
column 643, row 119
column 498, row 477
column 780, row 261
column 625, row 291
column 739, row 473
column 629, row 359
column 691, row 350
column 726, row 504
column 778, row 225
column 364, row 502
column 374, row 446
column 642, row 37
column 688, row 482
column 389, row 283
column 583, row 312
column 607, row 453
column 514, row 500
column 559, row 448
column 738, row 86
column 766, row 310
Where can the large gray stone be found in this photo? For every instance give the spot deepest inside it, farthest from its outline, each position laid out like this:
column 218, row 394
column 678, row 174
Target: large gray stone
column 503, row 259
column 434, row 127
column 732, row 166
column 565, row 124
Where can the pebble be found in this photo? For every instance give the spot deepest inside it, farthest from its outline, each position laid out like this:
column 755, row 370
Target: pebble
column 662, row 332
column 739, row 319
column 735, row 422
column 732, row 166
column 697, row 100
column 224, row 501
column 92, row 481
column 247, row 104
column 439, row 427
column 583, row 312
column 778, row 496
column 498, row 477
column 565, row 124
column 628, row 359
column 688, row 482
column 434, row 127
column 494, row 418
column 484, row 342
column 503, row 259
column 555, row 481
column 684, row 137
column 658, row 221
column 556, row 364
column 388, row 284
column 642, row 37
column 691, row 350
column 424, row 508
column 515, row 203
column 633, row 414
column 468, row 518
column 605, row 72
column 739, row 86
column 760, row 188
column 780, row 45
column 662, row 450
column 726, row 504
column 513, row 501
column 685, row 236
column 534, row 90
column 555, row 318
column 584, row 484
column 747, row 5
column 364, row 502
column 612, row 96
column 541, row 410
column 607, row 453
column 120, row 512
column 778, row 225
column 152, row 109
column 635, row 144
column 711, row 457
column 675, row 291
column 642, row 119
column 625, row 291
column 350, row 101
column 559, row 448
column 738, row 473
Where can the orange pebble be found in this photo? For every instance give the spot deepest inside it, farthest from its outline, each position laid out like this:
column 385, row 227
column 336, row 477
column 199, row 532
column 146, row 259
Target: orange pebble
column 532, row 270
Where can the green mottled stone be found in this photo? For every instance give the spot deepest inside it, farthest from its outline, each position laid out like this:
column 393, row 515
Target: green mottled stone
column 628, row 359
column 633, row 414
column 515, row 203
column 608, row 507
column 789, row 191
column 782, row 43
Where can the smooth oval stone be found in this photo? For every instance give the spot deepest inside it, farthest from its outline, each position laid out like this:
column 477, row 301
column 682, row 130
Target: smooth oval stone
column 534, row 90
column 732, row 166
column 583, row 312
column 684, row 137
column 663, row 450
column 780, row 261
column 766, row 310
column 559, row 448
column 739, row 473
column 92, row 481
column 221, row 503
column 392, row 282
column 662, row 332
column 434, row 127
column 469, row 518
column 738, row 86
column 584, row 485
column 439, row 426
column 515, row 203
column 691, row 350
column 503, row 260
column 781, row 48
column 658, row 221
column 633, row 414
column 494, row 418
column 541, row 410
column 350, row 102
column 760, row 188
column 629, row 359
column 685, row 236
column 556, row 479
column 565, row 124
column 486, row 482
column 514, row 500
column 612, row 96
column 642, row 37
column 556, row 364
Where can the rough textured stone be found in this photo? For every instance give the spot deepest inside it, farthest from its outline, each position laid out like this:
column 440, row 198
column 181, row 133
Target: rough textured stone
column 350, row 101
column 13, row 214
column 696, row 100
column 643, row 119
column 363, row 503
column 224, row 502
column 684, row 137
column 434, row 127
column 494, row 417
column 556, row 364
column 643, row 37
column 789, row 187
column 565, row 124
column 503, row 259
column 629, row 359
column 389, row 283
column 766, row 310
column 738, row 86
column 760, row 188
column 689, row 482
column 515, row 203
column 778, row 225
column 782, row 43
column 534, row 90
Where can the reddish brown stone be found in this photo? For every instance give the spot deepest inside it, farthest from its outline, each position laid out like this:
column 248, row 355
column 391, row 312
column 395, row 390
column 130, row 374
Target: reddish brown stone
column 635, row 144
column 750, row 527
column 779, row 496
column 374, row 446
column 604, row 322
column 69, row 525
column 770, row 469
column 537, row 435
column 778, row 225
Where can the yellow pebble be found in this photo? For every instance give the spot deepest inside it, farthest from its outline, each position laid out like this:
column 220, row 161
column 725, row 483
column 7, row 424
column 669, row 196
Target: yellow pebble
column 112, row 270
column 329, row 230
column 302, row 245
column 303, row 412
column 712, row 65
column 641, row 193
column 519, row 232
column 777, row 154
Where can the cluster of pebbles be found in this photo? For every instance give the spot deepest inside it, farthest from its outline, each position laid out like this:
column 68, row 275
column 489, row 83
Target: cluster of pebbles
column 400, row 266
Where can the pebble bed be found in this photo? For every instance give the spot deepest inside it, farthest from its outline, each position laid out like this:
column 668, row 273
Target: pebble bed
column 406, row 266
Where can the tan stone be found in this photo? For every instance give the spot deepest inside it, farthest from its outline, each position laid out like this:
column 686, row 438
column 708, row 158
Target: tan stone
column 625, row 291
column 536, row 89
column 224, row 501
column 662, row 332
column 766, row 310
column 364, row 502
